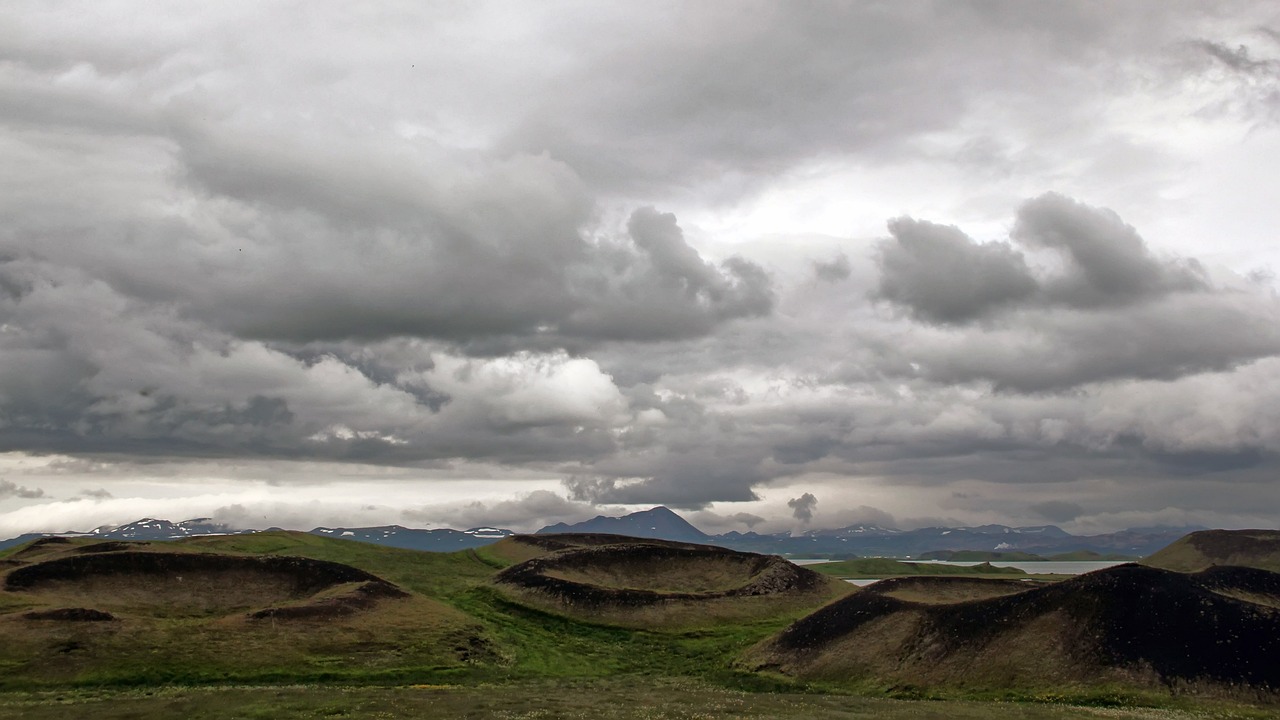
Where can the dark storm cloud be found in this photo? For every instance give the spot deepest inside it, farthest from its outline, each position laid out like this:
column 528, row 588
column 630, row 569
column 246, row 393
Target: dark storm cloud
column 802, row 507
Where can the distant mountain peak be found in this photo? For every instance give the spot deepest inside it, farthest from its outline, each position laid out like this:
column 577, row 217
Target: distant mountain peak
column 658, row 522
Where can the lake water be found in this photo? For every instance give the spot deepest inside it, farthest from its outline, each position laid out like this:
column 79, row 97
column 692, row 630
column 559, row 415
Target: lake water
column 1063, row 567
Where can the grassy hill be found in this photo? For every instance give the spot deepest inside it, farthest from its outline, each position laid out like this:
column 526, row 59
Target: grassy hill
column 660, row 584
column 1206, row 548
column 1214, row 633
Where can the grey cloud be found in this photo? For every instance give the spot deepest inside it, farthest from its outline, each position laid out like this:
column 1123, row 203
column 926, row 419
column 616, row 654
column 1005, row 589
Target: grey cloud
column 1112, row 310
column 834, row 270
column 748, row 519
column 713, row 96
column 529, row 511
column 942, row 276
column 1110, row 264
column 99, row 494
column 9, row 489
column 1057, row 510
column 1052, row 350
column 802, row 507
column 1237, row 58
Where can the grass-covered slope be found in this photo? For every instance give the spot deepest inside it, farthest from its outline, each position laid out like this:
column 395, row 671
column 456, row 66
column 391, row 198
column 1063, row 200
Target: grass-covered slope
column 1217, row 632
column 1203, row 549
column 228, row 608
column 646, row 584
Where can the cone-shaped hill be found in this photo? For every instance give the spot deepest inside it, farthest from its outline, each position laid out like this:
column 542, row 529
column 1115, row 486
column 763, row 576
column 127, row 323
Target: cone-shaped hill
column 633, row 582
column 1217, row 631
column 1206, row 548
column 85, row 611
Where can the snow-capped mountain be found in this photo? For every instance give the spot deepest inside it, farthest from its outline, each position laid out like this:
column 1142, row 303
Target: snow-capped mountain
column 441, row 540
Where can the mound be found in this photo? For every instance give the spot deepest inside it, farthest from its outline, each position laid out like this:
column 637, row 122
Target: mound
column 1200, row 550
column 70, row 614
column 944, row 589
column 180, row 583
column 518, row 548
column 640, row 582
column 1128, row 624
column 109, row 546
column 349, row 600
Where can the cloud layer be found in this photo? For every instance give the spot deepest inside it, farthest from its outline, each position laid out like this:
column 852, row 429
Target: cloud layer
column 558, row 242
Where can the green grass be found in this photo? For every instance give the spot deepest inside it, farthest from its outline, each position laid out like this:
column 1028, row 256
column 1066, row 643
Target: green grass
column 618, row 699
column 527, row 662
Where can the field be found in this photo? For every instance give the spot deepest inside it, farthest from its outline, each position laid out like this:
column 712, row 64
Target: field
column 618, row 699
column 232, row 627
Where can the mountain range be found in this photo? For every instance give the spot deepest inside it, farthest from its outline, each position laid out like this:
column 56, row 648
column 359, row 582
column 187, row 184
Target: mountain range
column 663, row 524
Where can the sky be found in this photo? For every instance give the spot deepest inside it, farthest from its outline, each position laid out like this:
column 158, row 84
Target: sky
column 776, row 265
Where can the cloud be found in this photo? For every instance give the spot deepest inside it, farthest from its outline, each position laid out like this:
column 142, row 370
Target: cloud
column 528, row 512
column 1111, row 309
column 748, row 519
column 9, row 489
column 940, row 275
column 1109, row 264
column 834, row 270
column 1057, row 510
column 99, row 494
column 802, row 507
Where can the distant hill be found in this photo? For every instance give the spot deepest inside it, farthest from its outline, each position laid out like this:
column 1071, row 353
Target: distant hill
column 1216, row 632
column 1206, row 548
column 861, row 540
column 658, row 523
column 440, row 540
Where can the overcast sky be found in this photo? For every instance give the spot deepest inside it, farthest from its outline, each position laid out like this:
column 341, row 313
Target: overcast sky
column 777, row 265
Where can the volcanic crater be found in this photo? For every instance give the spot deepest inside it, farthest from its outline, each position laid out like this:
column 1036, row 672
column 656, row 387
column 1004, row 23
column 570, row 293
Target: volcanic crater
column 628, row 581
column 125, row 581
column 1216, row 631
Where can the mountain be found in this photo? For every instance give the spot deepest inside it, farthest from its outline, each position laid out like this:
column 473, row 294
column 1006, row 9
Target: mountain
column 144, row 529
column 417, row 539
column 657, row 523
column 660, row 523
column 152, row 529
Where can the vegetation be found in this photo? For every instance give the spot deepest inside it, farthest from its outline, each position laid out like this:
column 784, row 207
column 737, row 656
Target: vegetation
column 401, row 633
